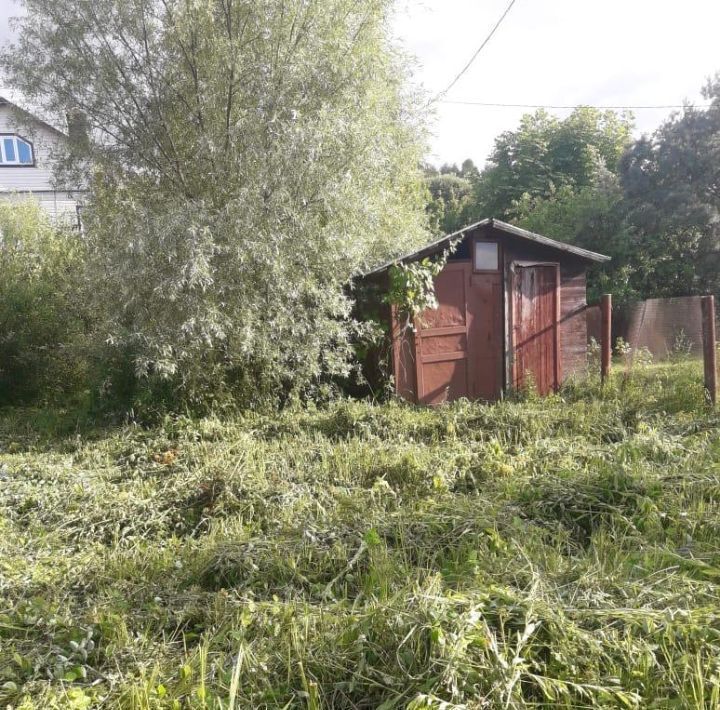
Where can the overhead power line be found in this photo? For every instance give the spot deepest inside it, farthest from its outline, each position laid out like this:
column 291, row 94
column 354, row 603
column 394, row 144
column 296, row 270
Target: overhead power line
column 480, row 49
column 490, row 104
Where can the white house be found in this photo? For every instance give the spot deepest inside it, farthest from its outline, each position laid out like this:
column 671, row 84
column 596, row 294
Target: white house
column 29, row 148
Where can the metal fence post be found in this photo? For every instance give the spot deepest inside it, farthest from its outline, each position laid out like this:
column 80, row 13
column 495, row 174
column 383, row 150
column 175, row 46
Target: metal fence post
column 709, row 351
column 605, row 335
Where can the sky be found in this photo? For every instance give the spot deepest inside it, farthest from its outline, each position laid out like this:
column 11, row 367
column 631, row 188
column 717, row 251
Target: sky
column 556, row 52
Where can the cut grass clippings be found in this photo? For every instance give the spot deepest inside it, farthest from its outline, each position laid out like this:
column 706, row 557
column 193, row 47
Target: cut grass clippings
column 558, row 552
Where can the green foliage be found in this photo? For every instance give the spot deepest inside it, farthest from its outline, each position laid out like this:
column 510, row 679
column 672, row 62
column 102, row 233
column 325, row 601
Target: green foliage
column 546, row 154
column 550, row 553
column 450, row 195
column 412, row 286
column 555, row 177
column 43, row 315
column 673, row 201
column 592, row 217
column 250, row 157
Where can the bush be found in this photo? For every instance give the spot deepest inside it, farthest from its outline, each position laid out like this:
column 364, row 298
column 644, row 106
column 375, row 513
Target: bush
column 221, row 241
column 42, row 316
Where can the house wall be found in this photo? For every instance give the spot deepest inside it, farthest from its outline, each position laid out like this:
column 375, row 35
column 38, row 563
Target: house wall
column 60, row 205
column 37, row 181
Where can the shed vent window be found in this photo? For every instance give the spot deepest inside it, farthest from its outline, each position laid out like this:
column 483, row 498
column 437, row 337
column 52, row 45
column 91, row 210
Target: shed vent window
column 486, row 256
column 16, row 151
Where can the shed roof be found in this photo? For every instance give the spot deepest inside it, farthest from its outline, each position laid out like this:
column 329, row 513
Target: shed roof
column 503, row 227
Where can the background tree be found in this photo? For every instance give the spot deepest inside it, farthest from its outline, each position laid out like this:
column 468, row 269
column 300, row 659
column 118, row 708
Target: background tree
column 653, row 205
column 450, row 190
column 546, row 154
column 557, row 177
column 592, row 217
column 672, row 188
column 250, row 156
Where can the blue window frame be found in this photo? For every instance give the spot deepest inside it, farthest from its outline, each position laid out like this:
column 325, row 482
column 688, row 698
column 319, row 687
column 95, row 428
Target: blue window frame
column 15, row 151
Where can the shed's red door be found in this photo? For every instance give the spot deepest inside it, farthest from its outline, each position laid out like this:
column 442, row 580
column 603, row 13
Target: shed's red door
column 458, row 346
column 536, row 309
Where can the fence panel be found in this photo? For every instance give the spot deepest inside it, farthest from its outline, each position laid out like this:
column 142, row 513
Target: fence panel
column 662, row 325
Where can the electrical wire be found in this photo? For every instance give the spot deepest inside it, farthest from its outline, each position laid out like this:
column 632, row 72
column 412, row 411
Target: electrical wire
column 480, row 49
column 489, row 104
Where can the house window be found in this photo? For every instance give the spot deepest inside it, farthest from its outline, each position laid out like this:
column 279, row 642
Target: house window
column 16, row 151
column 486, row 256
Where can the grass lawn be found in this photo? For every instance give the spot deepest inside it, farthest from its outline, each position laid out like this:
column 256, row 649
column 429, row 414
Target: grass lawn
column 548, row 553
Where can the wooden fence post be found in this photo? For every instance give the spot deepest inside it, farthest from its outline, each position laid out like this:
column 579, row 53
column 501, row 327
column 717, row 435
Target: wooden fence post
column 605, row 335
column 709, row 352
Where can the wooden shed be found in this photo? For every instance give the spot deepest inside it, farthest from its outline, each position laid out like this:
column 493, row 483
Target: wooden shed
column 511, row 309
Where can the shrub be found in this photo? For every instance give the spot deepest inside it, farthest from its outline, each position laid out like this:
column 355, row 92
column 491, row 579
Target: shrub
column 42, row 316
column 222, row 240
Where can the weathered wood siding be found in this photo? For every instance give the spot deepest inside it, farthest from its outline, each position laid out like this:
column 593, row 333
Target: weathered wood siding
column 537, row 343
column 573, row 321
column 573, row 326
column 403, row 358
column 571, row 345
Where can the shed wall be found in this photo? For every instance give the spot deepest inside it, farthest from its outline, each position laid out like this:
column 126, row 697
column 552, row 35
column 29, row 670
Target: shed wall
column 573, row 306
column 403, row 358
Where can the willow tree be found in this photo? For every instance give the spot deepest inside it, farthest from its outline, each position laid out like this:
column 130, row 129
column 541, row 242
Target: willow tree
column 248, row 157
